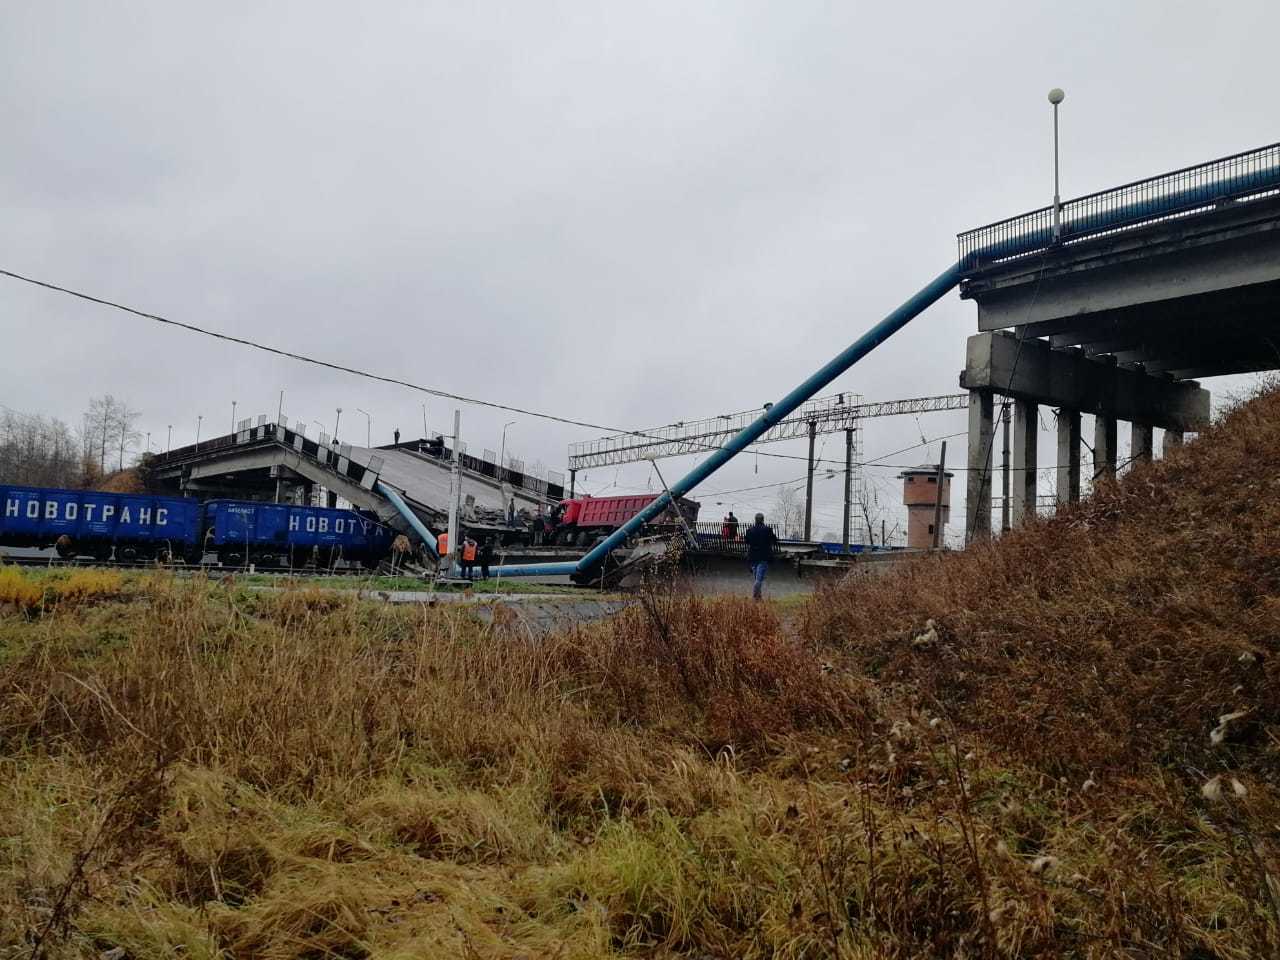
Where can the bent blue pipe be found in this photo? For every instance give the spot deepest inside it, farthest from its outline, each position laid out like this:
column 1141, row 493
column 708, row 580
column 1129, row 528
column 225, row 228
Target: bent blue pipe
column 410, row 517
column 1255, row 181
column 837, row 365
column 566, row 569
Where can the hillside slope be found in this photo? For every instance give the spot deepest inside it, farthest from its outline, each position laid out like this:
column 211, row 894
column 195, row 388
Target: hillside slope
column 1113, row 634
column 1063, row 744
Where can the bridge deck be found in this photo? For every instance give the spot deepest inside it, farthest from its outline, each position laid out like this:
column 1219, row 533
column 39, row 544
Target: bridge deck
column 1186, row 287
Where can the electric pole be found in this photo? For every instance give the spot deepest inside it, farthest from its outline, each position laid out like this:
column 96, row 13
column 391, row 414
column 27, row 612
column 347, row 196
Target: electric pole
column 808, row 490
column 455, row 493
column 848, row 483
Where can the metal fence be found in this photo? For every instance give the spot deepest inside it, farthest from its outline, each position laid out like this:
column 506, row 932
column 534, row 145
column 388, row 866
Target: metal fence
column 1190, row 190
column 715, row 535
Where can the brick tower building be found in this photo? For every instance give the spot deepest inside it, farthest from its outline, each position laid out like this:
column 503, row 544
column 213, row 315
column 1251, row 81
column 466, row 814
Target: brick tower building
column 920, row 495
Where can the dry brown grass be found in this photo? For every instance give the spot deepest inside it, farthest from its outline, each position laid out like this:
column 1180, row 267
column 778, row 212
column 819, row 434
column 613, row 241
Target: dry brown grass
column 196, row 770
column 1115, row 634
column 122, row 481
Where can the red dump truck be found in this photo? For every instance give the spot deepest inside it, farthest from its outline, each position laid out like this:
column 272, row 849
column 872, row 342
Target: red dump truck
column 584, row 520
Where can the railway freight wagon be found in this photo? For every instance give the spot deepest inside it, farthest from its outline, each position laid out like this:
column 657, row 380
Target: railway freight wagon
column 126, row 526
column 240, row 531
column 94, row 524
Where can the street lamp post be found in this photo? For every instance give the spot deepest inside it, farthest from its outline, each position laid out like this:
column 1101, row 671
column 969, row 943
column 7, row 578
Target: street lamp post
column 168, row 444
column 424, row 422
column 199, row 420
column 368, row 427
column 1056, row 96
column 502, row 457
column 336, row 421
column 233, row 416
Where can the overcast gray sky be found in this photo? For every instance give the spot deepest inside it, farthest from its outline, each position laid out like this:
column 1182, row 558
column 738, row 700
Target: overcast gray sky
column 624, row 213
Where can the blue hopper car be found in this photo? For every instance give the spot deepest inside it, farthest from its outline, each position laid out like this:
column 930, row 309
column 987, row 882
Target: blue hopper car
column 90, row 523
column 127, row 526
column 284, row 535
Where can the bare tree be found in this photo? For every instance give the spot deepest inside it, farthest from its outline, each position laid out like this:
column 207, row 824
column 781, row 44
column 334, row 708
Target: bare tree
column 126, row 429
column 789, row 513
column 109, row 425
column 38, row 451
column 99, row 423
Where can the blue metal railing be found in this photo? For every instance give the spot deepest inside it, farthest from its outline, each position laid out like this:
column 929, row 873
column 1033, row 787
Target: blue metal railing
column 1181, row 192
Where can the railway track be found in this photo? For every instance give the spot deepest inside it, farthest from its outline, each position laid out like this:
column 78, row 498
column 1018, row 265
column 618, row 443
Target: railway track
column 210, row 569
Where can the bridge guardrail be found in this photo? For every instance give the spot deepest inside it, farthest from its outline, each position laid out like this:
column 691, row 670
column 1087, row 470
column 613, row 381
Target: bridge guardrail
column 1177, row 193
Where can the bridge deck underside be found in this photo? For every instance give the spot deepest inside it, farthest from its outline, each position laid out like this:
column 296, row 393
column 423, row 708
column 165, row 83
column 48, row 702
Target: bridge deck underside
column 1185, row 299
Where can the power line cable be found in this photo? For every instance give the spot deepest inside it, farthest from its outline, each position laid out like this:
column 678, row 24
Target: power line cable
column 354, row 371
column 302, row 358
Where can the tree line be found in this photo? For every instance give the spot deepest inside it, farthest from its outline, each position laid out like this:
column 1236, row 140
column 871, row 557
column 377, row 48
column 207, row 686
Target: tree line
column 44, row 451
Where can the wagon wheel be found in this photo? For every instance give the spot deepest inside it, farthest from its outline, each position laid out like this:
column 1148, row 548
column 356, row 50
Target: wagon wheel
column 66, row 547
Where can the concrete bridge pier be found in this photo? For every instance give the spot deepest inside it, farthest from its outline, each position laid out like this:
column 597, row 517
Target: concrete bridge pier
column 1068, row 486
column 1140, row 442
column 978, row 477
column 1105, row 438
column 1025, row 466
column 1032, row 372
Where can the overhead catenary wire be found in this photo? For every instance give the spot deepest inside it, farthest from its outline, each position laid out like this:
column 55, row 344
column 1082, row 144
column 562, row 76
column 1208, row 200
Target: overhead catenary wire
column 366, row 374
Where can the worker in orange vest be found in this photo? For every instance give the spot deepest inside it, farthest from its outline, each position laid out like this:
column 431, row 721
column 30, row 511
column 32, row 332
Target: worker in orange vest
column 468, row 557
column 442, row 553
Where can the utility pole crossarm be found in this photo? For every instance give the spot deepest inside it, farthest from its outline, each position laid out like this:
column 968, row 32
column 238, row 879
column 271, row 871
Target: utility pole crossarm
column 830, row 415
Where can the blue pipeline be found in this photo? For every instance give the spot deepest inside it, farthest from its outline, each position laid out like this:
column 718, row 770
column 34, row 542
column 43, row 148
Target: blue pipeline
column 1087, row 222
column 1257, row 181
column 537, row 569
column 410, row 517
column 749, row 434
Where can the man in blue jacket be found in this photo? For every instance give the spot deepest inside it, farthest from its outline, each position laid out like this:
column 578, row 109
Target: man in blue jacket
column 760, row 542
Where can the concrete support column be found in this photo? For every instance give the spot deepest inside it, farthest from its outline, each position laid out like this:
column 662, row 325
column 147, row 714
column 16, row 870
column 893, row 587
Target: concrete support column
column 977, row 504
column 1140, row 442
column 1104, row 447
column 1026, row 423
column 1068, row 456
column 1172, row 438
column 279, row 490
column 1004, row 468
